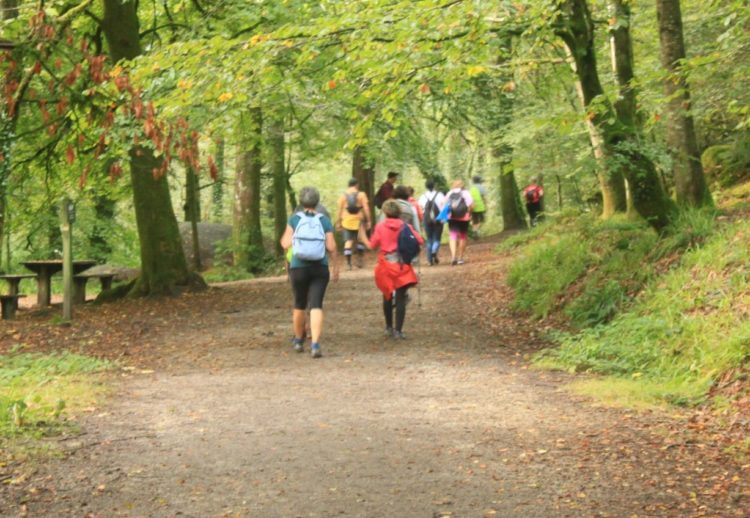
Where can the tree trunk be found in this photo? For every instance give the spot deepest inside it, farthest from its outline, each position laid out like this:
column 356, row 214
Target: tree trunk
column 496, row 118
column 217, row 191
column 192, row 196
column 364, row 172
column 615, row 139
column 579, row 40
column 193, row 214
column 278, row 172
column 163, row 264
column 9, row 12
column 248, row 234
column 690, row 183
column 104, row 208
column 646, row 193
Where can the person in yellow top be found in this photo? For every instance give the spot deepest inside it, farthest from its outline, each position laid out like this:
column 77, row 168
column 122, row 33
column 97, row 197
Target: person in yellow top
column 353, row 218
column 479, row 195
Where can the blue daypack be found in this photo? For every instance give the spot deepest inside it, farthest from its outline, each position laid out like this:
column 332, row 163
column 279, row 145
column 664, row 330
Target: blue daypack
column 408, row 246
column 309, row 238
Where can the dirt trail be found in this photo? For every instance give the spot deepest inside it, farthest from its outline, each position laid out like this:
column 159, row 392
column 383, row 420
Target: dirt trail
column 447, row 423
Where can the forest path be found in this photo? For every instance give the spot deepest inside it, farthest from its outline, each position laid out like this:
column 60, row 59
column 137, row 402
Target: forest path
column 448, row 423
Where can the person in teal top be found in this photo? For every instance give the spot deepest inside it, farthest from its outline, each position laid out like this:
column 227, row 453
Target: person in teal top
column 479, row 194
column 310, row 278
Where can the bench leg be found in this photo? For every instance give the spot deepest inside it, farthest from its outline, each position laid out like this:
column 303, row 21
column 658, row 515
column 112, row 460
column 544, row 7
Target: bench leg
column 9, row 307
column 79, row 291
column 106, row 283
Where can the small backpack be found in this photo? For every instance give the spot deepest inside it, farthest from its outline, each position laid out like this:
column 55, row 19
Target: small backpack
column 459, row 209
column 431, row 211
column 309, row 238
column 351, row 203
column 408, row 246
column 532, row 195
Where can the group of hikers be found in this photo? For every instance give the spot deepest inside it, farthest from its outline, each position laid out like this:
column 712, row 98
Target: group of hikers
column 405, row 225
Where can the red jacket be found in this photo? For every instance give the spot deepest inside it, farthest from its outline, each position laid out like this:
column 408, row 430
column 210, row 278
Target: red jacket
column 385, row 235
column 389, row 275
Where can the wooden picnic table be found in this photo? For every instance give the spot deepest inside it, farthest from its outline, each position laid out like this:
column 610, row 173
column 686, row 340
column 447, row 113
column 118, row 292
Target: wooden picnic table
column 44, row 271
column 80, row 280
column 14, row 280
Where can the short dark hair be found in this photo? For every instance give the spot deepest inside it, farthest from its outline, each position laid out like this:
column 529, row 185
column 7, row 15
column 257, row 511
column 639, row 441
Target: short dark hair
column 476, row 179
column 392, row 174
column 401, row 192
column 430, row 184
column 353, row 182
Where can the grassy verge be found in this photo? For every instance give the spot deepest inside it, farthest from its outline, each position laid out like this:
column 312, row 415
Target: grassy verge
column 37, row 392
column 663, row 318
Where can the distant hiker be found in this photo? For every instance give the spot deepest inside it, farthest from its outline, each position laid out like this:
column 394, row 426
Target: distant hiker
column 386, row 190
column 460, row 203
column 533, row 194
column 353, row 219
column 408, row 212
column 310, row 234
column 394, row 275
column 479, row 195
column 432, row 202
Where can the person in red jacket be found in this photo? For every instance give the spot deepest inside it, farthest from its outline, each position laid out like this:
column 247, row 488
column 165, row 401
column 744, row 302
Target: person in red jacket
column 392, row 277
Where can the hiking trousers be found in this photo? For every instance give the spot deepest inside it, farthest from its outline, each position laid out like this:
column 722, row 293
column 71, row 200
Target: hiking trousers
column 434, row 233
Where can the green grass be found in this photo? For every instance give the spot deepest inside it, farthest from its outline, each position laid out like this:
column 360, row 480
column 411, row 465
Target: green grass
column 36, row 390
column 687, row 327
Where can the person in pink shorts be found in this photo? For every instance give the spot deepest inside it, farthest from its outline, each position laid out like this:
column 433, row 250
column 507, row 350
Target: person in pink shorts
column 460, row 202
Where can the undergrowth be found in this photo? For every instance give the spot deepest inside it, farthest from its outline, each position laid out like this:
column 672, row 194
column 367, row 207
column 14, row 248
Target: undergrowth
column 36, row 390
column 667, row 316
column 684, row 331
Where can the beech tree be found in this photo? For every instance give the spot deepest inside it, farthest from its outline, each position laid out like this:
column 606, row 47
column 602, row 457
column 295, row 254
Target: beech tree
column 163, row 264
column 690, row 184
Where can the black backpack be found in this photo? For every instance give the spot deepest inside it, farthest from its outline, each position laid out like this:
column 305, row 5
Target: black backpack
column 532, row 195
column 459, row 209
column 408, row 246
column 351, row 203
column 431, row 211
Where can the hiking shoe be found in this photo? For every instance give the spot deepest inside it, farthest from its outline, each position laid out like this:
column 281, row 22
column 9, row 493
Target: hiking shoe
column 388, row 332
column 298, row 344
column 460, row 262
column 315, row 351
column 454, row 262
column 398, row 335
column 435, row 259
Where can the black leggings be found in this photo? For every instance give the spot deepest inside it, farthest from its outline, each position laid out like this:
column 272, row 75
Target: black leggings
column 309, row 286
column 400, row 309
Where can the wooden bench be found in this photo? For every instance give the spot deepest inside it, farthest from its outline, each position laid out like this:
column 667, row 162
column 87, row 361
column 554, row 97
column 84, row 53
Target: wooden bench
column 14, row 280
column 9, row 305
column 80, row 280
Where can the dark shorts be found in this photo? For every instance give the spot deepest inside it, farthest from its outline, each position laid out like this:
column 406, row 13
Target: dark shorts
column 462, row 227
column 351, row 235
column 309, row 286
column 477, row 217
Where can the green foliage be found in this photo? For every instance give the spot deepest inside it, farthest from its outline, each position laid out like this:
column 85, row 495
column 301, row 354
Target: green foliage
column 728, row 164
column 35, row 389
column 546, row 268
column 683, row 331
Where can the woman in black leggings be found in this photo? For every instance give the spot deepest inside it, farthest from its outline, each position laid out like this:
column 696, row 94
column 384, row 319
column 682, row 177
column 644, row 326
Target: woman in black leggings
column 310, row 276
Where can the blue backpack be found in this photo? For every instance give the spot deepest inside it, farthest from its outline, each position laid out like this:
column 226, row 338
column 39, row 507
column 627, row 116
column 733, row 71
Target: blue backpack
column 408, row 246
column 309, row 238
